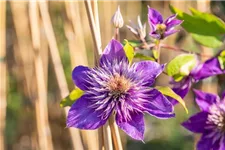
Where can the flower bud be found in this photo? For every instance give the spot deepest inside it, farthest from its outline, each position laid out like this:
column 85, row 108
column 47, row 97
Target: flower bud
column 138, row 30
column 117, row 19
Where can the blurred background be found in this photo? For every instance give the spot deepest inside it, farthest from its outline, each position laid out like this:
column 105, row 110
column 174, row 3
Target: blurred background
column 40, row 44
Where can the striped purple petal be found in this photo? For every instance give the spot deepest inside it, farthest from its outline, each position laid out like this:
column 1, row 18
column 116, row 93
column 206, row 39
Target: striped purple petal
column 83, row 116
column 134, row 127
column 205, row 100
column 197, row 122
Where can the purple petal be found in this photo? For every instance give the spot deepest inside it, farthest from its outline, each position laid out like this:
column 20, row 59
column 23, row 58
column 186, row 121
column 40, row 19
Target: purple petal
column 134, row 127
column 222, row 143
column 155, row 35
column 204, row 143
column 173, row 23
column 210, row 68
column 181, row 88
column 113, row 51
column 205, row 100
column 197, row 122
column 170, row 18
column 82, row 116
column 157, row 105
column 148, row 70
column 80, row 77
column 223, row 95
column 154, row 17
column 170, row 32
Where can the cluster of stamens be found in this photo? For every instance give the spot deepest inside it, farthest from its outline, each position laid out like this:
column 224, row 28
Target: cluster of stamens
column 217, row 117
column 160, row 29
column 118, row 85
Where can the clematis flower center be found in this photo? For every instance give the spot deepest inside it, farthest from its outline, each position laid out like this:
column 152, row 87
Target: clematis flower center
column 160, row 28
column 217, row 116
column 118, row 85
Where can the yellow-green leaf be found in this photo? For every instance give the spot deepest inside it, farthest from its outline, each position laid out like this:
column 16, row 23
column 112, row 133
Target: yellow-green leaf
column 181, row 65
column 169, row 92
column 129, row 50
column 155, row 54
column 143, row 57
column 71, row 98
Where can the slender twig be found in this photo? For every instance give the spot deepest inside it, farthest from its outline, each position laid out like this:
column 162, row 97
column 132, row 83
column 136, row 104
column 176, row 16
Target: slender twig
column 44, row 132
column 92, row 24
column 183, row 50
column 158, row 49
column 117, row 35
column 3, row 72
column 96, row 18
column 107, row 137
column 60, row 76
column 168, row 47
column 115, row 133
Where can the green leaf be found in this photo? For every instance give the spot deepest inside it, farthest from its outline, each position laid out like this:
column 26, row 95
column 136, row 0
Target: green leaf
column 200, row 23
column 181, row 66
column 221, row 59
column 178, row 77
column 132, row 43
column 169, row 92
column 155, row 54
column 206, row 28
column 143, row 57
column 129, row 50
column 208, row 41
column 71, row 98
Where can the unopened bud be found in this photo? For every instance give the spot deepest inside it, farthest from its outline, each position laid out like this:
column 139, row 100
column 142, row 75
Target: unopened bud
column 117, row 19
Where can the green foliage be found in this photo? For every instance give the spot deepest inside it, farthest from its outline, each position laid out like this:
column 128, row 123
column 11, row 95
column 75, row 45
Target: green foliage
column 143, row 57
column 169, row 92
column 221, row 59
column 133, row 43
column 71, row 98
column 206, row 28
column 181, row 66
column 129, row 50
column 155, row 54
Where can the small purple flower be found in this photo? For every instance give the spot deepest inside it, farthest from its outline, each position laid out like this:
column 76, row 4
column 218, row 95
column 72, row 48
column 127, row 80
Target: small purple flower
column 116, row 88
column 160, row 29
column 210, row 121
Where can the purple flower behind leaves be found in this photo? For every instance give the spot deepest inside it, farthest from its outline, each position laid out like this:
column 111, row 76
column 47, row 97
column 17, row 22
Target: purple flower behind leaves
column 209, row 68
column 210, row 121
column 114, row 87
column 159, row 28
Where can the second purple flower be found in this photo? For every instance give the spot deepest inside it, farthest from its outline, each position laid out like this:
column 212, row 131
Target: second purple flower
column 159, row 28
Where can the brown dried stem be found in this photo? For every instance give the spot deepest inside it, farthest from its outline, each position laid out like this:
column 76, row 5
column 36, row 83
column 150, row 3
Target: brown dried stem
column 60, row 76
column 3, row 72
column 44, row 133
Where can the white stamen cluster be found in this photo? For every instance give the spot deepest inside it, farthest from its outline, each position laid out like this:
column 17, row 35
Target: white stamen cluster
column 217, row 116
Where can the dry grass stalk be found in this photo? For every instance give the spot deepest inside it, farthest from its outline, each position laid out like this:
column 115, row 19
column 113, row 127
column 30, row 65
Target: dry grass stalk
column 3, row 74
column 44, row 133
column 19, row 12
column 60, row 76
column 107, row 137
column 95, row 34
column 74, row 34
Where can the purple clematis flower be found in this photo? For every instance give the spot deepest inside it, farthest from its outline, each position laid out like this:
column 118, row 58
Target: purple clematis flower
column 160, row 29
column 210, row 121
column 209, row 68
column 116, row 88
